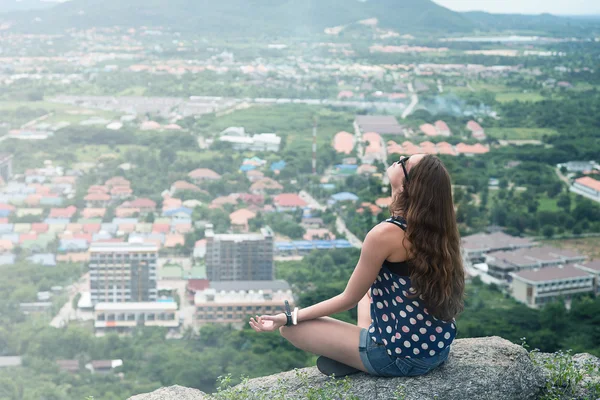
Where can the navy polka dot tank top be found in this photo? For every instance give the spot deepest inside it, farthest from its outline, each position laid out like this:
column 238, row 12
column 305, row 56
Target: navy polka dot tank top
column 403, row 325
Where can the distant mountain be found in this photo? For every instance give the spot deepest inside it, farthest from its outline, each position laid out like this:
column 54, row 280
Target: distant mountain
column 24, row 5
column 243, row 17
column 546, row 23
column 255, row 18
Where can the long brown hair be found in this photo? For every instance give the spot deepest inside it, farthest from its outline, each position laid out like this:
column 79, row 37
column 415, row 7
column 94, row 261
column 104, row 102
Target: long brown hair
column 437, row 271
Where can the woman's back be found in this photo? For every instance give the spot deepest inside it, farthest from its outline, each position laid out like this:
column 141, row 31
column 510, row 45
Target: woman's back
column 402, row 324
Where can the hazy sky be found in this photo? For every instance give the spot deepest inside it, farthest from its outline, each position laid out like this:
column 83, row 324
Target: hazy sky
column 569, row 7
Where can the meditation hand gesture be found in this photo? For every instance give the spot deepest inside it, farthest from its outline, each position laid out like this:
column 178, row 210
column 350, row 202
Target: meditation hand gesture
column 268, row 323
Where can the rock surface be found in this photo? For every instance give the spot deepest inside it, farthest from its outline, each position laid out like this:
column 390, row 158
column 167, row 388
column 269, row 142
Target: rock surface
column 478, row 368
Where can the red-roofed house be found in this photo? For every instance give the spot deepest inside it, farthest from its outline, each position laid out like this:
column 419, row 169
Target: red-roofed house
column 345, row 94
column 126, row 228
column 445, row 148
column 373, row 147
column 239, row 219
column 143, row 204
column 288, row 202
column 442, row 128
column 93, row 213
column 343, row 142
column 161, row 228
column 74, row 228
column 39, row 227
column 411, row 148
column 470, row 150
column 183, row 186
column 97, row 200
column 27, row 236
column 252, row 199
column 375, row 210
column 121, row 192
column 67, row 212
column 121, row 212
column 588, row 187
column 428, row 130
column 319, row 233
column 91, row 228
column 33, row 199
column 383, row 202
column 117, row 181
column 174, row 239
column 254, row 175
column 97, row 189
column 266, row 185
column 428, row 147
column 203, row 174
column 476, row 130
column 171, row 203
column 196, row 285
column 366, row 169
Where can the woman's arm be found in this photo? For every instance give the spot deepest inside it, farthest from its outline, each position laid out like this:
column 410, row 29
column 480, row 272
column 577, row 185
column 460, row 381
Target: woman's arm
column 378, row 245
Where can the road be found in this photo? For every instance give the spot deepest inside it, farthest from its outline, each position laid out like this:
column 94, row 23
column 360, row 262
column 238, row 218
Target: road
column 67, row 312
column 562, row 177
column 413, row 102
column 311, row 201
column 340, row 225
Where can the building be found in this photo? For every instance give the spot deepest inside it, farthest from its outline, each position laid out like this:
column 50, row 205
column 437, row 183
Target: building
column 121, row 317
column 588, row 187
column 5, row 167
column 474, row 247
column 579, row 166
column 238, row 257
column 123, row 272
column 234, row 302
column 538, row 287
column 476, row 130
column 501, row 264
column 383, row 125
column 593, row 268
column 343, row 142
column 258, row 142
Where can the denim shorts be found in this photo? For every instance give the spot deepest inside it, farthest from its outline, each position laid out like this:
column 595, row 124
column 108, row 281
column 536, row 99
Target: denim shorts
column 379, row 363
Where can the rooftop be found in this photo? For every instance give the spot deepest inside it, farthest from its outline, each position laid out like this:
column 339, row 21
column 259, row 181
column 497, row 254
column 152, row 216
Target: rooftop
column 384, row 125
column 551, row 274
column 137, row 306
column 122, row 247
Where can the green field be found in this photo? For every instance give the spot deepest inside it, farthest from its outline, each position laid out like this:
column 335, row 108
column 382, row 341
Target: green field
column 519, row 133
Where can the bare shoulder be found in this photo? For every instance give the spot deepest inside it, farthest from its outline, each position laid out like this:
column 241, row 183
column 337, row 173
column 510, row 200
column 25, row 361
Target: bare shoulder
column 384, row 234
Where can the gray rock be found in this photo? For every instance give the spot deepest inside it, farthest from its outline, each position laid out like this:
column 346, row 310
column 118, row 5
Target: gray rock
column 477, row 369
column 172, row 393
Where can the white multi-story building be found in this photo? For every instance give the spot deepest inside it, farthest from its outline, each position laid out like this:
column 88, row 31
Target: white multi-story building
column 233, row 302
column 537, row 287
column 120, row 317
column 587, row 187
column 123, row 272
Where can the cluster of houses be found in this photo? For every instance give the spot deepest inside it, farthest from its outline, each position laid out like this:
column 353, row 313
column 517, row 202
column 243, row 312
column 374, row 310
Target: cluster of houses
column 532, row 273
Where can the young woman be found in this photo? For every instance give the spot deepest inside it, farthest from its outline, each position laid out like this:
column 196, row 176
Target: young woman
column 408, row 285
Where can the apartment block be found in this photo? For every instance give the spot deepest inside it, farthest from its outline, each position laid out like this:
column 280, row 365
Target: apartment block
column 593, row 268
column 234, row 302
column 537, row 287
column 123, row 272
column 239, row 257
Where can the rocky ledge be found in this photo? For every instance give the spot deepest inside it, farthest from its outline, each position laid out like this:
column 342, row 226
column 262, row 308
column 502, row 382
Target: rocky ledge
column 479, row 368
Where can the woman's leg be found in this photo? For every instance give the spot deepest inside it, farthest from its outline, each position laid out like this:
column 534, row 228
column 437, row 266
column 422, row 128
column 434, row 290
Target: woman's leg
column 364, row 311
column 327, row 337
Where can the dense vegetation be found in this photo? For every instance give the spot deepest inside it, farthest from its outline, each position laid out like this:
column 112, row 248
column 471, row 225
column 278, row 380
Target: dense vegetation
column 150, row 361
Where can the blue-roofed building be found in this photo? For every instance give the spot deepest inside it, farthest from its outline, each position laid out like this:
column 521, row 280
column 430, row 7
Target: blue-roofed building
column 13, row 237
column 247, row 167
column 109, row 227
column 179, row 213
column 342, row 196
column 7, row 259
column 278, row 166
column 72, row 245
column 6, row 228
column 47, row 260
column 328, row 186
column 342, row 244
column 51, row 201
column 5, row 213
column 102, row 235
column 57, row 221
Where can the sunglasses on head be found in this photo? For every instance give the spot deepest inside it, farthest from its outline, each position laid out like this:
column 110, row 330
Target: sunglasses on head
column 402, row 162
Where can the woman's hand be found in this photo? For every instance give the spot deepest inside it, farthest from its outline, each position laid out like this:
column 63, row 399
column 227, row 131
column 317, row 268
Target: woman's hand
column 268, row 323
